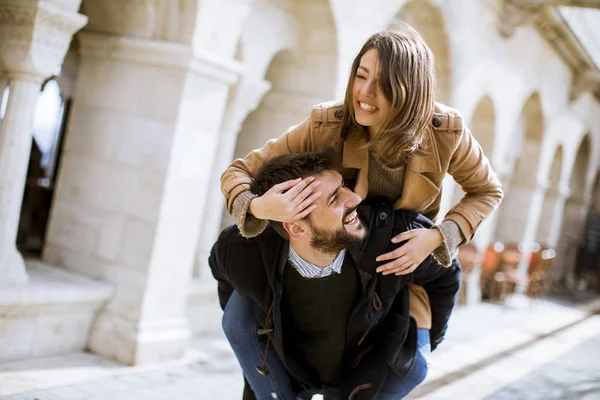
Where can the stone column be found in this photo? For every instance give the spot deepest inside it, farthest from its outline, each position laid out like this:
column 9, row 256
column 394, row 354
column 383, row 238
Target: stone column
column 15, row 145
column 243, row 100
column 133, row 184
column 483, row 238
column 34, row 38
column 532, row 225
column 563, row 193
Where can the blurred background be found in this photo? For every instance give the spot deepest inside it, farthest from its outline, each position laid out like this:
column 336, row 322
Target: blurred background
column 117, row 118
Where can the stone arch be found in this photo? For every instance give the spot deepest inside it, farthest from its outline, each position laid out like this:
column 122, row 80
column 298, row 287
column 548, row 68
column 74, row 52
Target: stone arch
column 551, row 215
column 575, row 210
column 483, row 124
column 300, row 77
column 268, row 121
column 521, row 184
column 428, row 20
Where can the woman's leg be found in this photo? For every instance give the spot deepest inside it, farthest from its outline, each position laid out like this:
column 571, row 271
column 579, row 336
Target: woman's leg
column 240, row 327
column 396, row 388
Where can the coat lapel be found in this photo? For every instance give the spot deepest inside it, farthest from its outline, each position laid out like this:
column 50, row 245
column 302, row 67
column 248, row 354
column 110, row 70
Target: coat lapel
column 419, row 191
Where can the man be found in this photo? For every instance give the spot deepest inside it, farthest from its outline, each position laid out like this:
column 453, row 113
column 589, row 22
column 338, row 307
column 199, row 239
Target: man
column 305, row 310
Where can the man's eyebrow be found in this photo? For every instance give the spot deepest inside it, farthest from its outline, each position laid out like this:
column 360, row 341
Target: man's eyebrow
column 334, row 192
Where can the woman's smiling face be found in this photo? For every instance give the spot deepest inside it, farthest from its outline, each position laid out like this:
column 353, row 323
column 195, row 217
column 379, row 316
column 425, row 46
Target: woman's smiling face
column 371, row 108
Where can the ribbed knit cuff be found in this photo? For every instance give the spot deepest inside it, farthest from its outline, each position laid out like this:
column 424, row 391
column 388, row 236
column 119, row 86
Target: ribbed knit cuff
column 248, row 224
column 451, row 239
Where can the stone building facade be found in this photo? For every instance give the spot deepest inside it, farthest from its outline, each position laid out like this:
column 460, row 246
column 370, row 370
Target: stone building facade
column 157, row 97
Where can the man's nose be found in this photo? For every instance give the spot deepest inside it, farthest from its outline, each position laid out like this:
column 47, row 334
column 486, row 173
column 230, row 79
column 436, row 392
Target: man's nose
column 352, row 199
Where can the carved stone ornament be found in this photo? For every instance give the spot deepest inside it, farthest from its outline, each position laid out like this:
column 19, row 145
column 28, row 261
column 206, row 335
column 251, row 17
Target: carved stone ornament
column 35, row 36
column 516, row 13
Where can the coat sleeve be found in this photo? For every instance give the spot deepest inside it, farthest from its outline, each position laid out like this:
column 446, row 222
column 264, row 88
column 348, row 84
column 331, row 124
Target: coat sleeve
column 218, row 263
column 441, row 285
column 471, row 169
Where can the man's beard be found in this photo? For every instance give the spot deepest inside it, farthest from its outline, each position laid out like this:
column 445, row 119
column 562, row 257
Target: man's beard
column 332, row 242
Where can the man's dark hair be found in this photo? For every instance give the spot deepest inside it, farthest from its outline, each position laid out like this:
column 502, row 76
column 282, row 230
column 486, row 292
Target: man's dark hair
column 289, row 167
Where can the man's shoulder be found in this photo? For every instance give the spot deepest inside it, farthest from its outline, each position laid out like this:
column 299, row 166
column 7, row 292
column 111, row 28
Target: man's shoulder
column 238, row 247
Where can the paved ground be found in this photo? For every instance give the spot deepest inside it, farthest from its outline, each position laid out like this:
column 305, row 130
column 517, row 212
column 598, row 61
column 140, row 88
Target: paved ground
column 561, row 366
column 573, row 375
column 492, row 352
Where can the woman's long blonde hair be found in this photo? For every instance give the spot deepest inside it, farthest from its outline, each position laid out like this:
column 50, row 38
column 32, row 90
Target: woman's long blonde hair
column 407, row 80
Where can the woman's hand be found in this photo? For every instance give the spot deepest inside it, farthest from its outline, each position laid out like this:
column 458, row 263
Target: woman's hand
column 287, row 201
column 406, row 258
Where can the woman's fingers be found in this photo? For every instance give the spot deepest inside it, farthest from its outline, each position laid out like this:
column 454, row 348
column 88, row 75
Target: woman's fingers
column 296, row 199
column 306, row 203
column 304, row 213
column 297, row 187
column 408, row 270
column 398, row 266
column 285, row 186
column 392, row 255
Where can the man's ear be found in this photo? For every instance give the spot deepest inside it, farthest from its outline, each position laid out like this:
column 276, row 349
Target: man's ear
column 295, row 229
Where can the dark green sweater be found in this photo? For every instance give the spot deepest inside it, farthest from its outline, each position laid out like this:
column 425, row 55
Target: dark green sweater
column 315, row 313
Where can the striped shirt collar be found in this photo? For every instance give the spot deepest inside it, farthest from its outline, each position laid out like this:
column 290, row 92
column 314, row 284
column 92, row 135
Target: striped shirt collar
column 309, row 270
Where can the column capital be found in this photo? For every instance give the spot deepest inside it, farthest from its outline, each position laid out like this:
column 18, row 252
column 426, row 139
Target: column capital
column 35, row 35
column 564, row 190
column 583, row 81
column 516, row 13
column 544, row 184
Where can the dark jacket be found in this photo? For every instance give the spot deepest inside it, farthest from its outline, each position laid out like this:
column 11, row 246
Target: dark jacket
column 381, row 336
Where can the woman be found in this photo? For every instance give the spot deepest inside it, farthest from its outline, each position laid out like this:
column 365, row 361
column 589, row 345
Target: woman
column 394, row 140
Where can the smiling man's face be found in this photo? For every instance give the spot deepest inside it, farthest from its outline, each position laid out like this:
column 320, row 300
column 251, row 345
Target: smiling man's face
column 334, row 224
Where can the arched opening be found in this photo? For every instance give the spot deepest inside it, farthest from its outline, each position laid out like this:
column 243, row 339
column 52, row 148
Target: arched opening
column 551, row 215
column 595, row 206
column 521, row 183
column 48, row 130
column 428, row 20
column 276, row 111
column 575, row 211
column 587, row 267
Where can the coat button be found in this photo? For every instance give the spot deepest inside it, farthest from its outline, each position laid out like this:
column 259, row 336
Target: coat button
column 264, row 371
column 437, row 122
column 338, row 114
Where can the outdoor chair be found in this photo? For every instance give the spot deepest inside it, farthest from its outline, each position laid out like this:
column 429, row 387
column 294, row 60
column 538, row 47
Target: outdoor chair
column 490, row 265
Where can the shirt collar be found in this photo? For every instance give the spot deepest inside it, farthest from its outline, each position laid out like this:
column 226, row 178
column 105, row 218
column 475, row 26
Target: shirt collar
column 309, row 270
